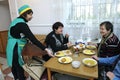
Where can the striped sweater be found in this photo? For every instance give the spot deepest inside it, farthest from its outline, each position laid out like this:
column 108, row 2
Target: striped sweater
column 110, row 47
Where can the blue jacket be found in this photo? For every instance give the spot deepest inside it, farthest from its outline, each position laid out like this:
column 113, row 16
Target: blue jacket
column 110, row 61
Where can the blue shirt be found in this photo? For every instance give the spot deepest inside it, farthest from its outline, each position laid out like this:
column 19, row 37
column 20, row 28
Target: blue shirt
column 110, row 61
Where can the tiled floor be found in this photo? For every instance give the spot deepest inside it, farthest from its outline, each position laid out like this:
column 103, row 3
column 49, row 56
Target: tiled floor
column 5, row 69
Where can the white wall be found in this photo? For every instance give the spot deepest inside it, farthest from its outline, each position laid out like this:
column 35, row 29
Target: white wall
column 41, row 29
column 44, row 15
column 4, row 16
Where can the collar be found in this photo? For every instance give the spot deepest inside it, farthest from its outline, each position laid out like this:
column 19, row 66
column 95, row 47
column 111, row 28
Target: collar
column 23, row 18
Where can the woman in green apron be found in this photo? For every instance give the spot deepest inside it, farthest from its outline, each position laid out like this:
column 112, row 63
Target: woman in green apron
column 18, row 34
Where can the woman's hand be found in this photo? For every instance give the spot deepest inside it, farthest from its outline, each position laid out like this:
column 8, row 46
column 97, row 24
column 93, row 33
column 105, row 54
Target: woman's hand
column 49, row 52
column 69, row 44
column 95, row 57
column 66, row 35
column 110, row 75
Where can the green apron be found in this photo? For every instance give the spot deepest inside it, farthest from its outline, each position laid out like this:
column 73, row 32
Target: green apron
column 11, row 44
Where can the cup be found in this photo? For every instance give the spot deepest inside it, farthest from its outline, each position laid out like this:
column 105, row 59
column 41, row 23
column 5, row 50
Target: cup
column 76, row 54
column 76, row 64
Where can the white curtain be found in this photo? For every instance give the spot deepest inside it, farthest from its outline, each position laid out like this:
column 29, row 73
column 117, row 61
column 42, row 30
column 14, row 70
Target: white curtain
column 82, row 17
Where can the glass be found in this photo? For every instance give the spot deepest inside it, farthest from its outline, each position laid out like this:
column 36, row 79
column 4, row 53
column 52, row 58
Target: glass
column 76, row 54
column 72, row 40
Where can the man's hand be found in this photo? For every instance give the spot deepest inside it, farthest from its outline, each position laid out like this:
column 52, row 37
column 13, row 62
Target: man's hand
column 95, row 57
column 66, row 35
column 110, row 75
column 69, row 44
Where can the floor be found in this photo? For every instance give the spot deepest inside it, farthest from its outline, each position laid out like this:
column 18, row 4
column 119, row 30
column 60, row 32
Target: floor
column 5, row 69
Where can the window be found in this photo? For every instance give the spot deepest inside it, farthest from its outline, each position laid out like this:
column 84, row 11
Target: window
column 82, row 17
column 82, row 11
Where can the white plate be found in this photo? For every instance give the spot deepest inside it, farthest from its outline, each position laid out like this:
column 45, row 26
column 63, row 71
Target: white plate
column 65, row 60
column 82, row 45
column 63, row 53
column 88, row 52
column 59, row 54
column 91, row 46
column 89, row 62
column 67, row 52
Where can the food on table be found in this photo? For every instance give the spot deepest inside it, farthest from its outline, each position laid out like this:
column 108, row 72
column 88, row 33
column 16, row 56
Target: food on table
column 63, row 53
column 81, row 45
column 89, row 62
column 88, row 52
column 65, row 59
column 59, row 53
column 91, row 46
column 67, row 52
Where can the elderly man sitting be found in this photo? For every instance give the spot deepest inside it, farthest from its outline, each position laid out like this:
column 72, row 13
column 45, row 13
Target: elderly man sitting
column 115, row 62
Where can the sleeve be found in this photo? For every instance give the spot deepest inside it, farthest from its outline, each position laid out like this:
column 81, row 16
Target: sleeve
column 118, row 48
column 98, row 45
column 116, row 70
column 116, row 78
column 66, row 40
column 56, row 48
column 108, row 61
column 113, row 44
column 28, row 34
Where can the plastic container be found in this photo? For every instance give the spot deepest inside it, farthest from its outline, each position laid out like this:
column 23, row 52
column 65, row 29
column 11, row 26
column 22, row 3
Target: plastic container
column 76, row 64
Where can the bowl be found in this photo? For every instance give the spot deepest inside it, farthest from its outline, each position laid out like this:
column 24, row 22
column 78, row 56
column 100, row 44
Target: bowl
column 76, row 64
column 90, row 46
column 89, row 62
column 89, row 52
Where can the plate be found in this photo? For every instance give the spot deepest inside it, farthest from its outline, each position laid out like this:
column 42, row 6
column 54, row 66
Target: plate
column 91, row 46
column 65, row 60
column 81, row 45
column 89, row 62
column 88, row 52
column 59, row 54
column 63, row 53
column 67, row 52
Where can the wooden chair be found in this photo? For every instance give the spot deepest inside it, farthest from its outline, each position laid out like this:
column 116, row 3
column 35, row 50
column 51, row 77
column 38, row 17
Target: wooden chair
column 31, row 50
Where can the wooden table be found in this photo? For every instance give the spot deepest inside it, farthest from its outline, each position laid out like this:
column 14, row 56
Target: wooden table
column 83, row 71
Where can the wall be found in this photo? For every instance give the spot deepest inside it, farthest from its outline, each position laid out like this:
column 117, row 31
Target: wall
column 4, row 15
column 44, row 15
column 3, row 41
column 41, row 29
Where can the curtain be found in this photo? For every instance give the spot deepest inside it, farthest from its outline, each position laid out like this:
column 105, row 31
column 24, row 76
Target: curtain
column 82, row 17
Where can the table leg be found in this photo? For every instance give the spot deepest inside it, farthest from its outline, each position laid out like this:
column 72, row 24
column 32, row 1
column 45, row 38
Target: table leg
column 49, row 74
column 91, row 79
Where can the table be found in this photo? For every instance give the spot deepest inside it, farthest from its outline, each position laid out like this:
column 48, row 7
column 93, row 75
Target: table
column 83, row 71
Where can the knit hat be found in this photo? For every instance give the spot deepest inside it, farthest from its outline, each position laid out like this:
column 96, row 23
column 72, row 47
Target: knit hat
column 23, row 9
